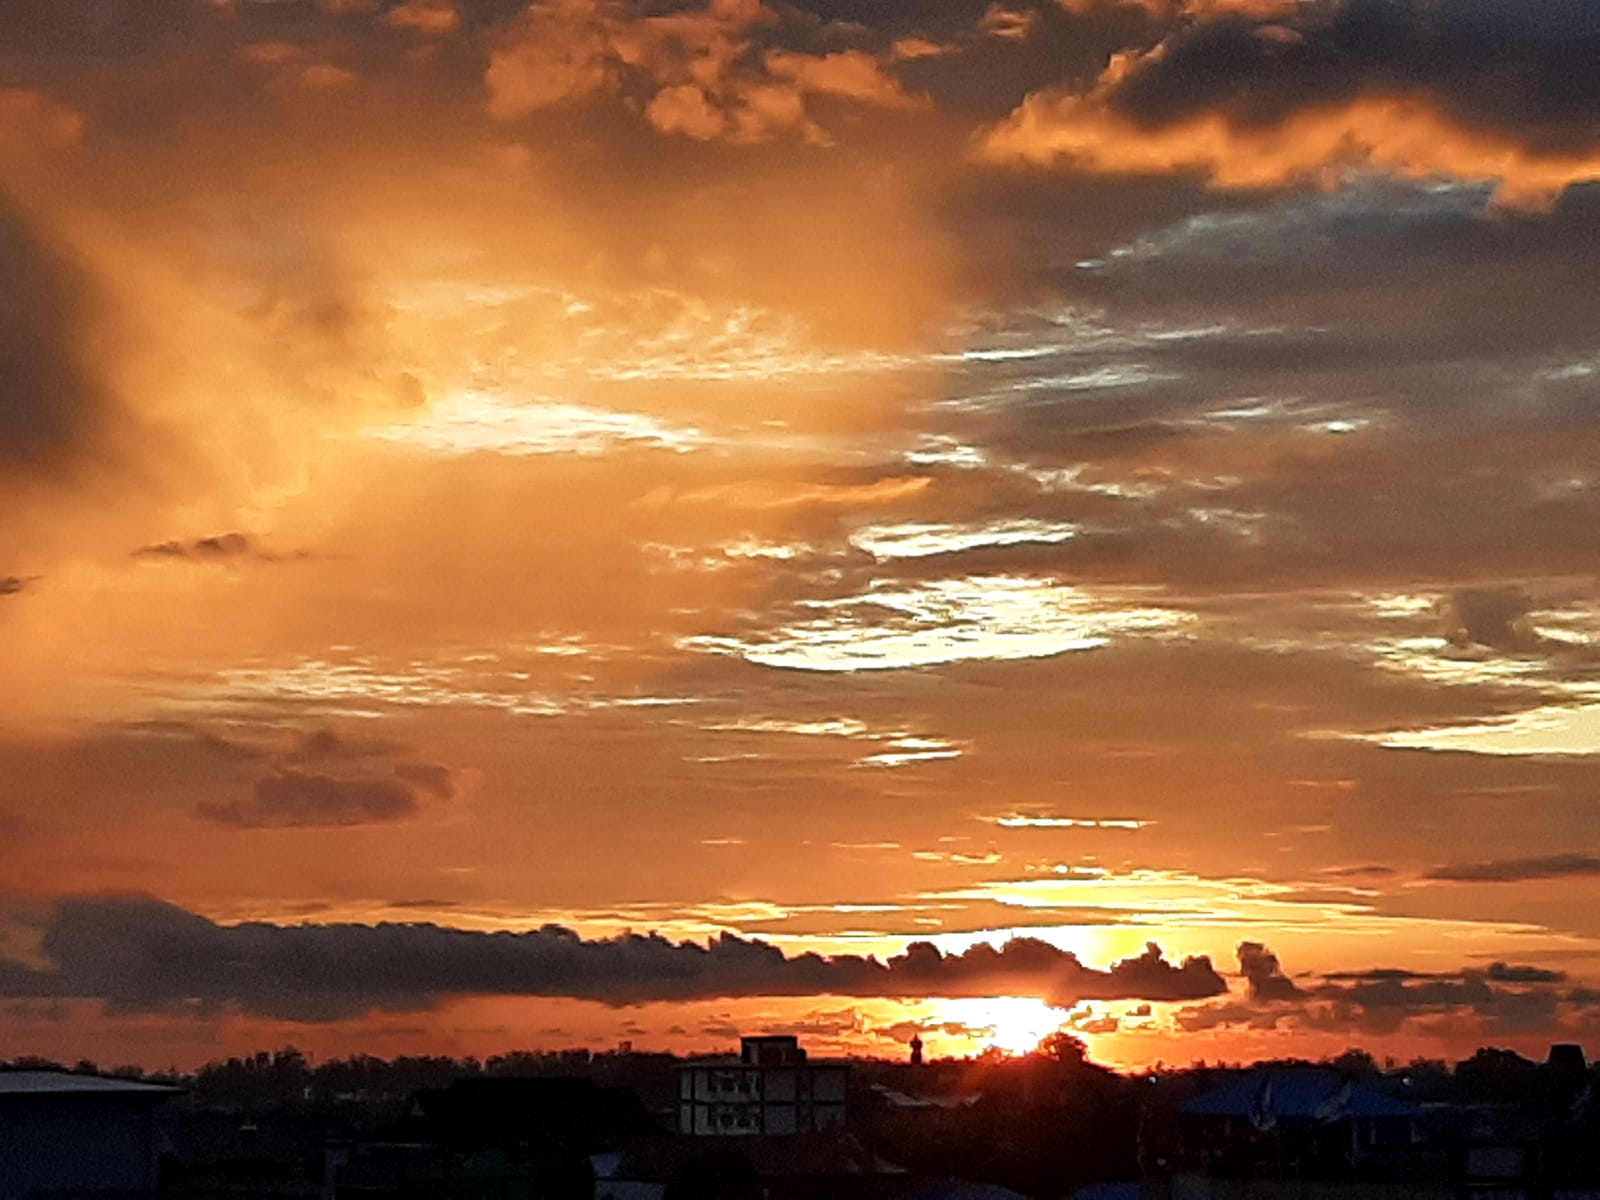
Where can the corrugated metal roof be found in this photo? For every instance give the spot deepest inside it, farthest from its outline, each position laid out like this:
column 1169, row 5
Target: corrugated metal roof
column 1305, row 1093
column 1237, row 1097
column 64, row 1083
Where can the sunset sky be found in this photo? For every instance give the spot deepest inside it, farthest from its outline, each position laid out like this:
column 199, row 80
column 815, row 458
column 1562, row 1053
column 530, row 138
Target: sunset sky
column 534, row 525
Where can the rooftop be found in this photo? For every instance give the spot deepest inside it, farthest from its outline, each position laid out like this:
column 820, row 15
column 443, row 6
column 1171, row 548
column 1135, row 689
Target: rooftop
column 1265, row 1094
column 65, row 1083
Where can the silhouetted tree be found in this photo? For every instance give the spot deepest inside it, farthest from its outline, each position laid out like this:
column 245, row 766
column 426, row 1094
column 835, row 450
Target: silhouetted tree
column 1062, row 1047
column 1357, row 1064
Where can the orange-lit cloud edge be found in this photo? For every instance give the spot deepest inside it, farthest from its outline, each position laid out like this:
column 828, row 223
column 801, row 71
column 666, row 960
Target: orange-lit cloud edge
column 559, row 542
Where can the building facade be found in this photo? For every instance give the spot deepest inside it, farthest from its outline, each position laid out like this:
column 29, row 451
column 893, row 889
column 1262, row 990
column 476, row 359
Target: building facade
column 78, row 1136
column 769, row 1089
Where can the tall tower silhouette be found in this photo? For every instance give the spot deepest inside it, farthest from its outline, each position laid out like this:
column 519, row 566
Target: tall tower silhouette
column 916, row 1050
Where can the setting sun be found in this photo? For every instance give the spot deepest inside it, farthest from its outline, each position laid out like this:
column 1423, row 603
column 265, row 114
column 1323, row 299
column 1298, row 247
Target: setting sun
column 1014, row 1024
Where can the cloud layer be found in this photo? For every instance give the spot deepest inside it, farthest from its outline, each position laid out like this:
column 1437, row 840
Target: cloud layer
column 870, row 475
column 1282, row 95
column 1476, row 1002
column 143, row 954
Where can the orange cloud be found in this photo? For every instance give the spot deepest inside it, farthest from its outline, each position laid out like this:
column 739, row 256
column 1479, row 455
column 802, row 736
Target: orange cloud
column 1402, row 135
column 852, row 74
column 686, row 109
column 1008, row 23
column 558, row 52
column 910, row 48
column 431, row 18
column 696, row 67
column 324, row 76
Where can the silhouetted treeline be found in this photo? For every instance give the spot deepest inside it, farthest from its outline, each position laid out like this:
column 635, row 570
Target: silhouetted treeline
column 289, row 1078
column 1041, row 1124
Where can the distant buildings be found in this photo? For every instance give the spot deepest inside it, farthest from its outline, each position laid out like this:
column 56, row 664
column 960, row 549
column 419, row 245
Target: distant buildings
column 769, row 1089
column 766, row 1122
column 1301, row 1118
column 82, row 1136
column 489, row 1138
column 1499, row 1126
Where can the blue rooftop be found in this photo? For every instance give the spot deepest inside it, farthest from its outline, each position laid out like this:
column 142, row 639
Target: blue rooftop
column 1272, row 1094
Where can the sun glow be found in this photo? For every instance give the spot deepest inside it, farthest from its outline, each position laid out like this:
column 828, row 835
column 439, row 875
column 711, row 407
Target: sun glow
column 1014, row 1024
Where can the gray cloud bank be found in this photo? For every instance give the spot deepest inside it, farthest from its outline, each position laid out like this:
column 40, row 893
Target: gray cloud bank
column 142, row 954
column 1502, row 999
column 293, row 799
column 1499, row 65
column 1518, row 870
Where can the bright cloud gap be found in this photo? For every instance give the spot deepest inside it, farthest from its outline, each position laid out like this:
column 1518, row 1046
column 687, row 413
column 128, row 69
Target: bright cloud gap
column 922, row 539
column 895, row 626
column 473, row 422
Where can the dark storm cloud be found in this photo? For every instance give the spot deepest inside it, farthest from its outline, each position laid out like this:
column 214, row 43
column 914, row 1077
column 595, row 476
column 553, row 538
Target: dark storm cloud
column 1384, row 1004
column 1526, row 66
column 1518, row 870
column 1502, row 998
column 1500, row 972
column 1147, row 977
column 292, row 799
column 1296, row 95
column 54, row 408
column 225, row 545
column 1497, row 972
column 1264, row 974
column 143, row 954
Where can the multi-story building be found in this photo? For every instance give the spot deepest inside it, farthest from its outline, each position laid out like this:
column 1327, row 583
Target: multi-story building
column 768, row 1089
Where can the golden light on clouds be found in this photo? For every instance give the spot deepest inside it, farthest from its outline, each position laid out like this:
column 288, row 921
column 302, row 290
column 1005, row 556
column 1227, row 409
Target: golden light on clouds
column 949, row 620
column 1398, row 135
column 638, row 468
